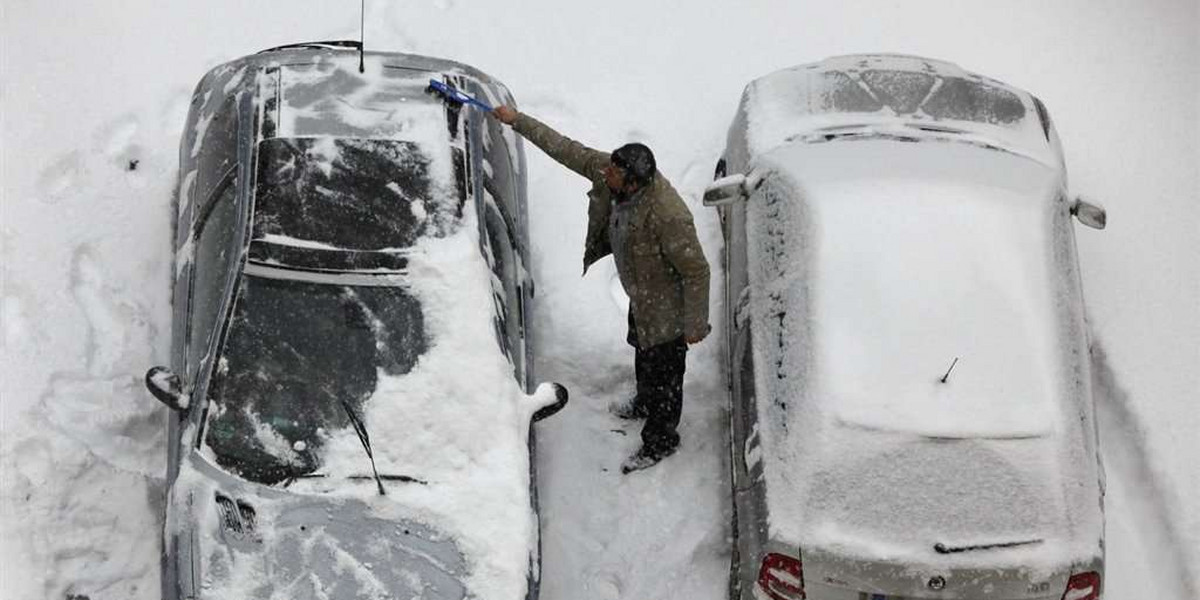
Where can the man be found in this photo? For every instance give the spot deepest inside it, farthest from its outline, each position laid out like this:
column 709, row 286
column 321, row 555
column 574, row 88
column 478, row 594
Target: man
column 635, row 215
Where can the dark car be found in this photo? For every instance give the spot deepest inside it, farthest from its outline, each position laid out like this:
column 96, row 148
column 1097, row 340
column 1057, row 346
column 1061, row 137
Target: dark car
column 351, row 381
column 912, row 413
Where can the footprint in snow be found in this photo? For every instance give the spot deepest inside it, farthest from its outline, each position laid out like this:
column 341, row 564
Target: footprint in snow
column 114, row 145
column 14, row 320
column 113, row 417
column 117, row 325
column 603, row 585
column 104, row 405
column 118, row 143
column 117, row 137
column 58, row 181
column 92, row 504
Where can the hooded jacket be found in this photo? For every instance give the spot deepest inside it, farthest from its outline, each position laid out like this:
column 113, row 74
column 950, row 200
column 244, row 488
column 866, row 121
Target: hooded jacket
column 669, row 279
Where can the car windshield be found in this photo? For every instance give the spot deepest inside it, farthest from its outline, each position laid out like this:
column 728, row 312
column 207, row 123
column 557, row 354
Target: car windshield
column 295, row 351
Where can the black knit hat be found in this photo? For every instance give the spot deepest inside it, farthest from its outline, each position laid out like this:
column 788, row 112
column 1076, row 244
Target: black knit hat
column 637, row 161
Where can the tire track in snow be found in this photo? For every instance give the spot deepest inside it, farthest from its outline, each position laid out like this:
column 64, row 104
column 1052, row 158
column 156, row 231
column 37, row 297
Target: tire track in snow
column 1138, row 507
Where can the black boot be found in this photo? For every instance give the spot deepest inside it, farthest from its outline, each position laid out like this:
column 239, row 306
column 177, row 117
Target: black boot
column 645, row 458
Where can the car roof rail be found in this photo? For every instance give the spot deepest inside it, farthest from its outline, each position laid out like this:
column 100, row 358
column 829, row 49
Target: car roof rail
column 332, row 44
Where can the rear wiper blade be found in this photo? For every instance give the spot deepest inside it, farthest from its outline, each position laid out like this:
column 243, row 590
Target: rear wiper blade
column 941, row 548
column 384, row 477
column 935, row 128
column 387, row 477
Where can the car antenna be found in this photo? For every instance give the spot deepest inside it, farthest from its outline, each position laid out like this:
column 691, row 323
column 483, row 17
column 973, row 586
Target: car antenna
column 947, row 375
column 362, row 25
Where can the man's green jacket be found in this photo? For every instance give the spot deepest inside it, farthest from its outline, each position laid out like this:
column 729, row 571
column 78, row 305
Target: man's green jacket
column 669, row 295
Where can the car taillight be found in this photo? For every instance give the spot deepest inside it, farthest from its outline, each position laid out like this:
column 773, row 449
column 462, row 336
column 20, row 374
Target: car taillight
column 1083, row 586
column 781, row 577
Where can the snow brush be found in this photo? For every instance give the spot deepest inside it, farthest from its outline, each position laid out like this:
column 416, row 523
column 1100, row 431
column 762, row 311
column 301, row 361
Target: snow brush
column 452, row 94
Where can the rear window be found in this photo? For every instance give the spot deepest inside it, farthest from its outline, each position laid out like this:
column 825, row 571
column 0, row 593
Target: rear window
column 912, row 92
column 331, row 98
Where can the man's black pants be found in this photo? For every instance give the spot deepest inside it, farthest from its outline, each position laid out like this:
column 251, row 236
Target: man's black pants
column 659, row 372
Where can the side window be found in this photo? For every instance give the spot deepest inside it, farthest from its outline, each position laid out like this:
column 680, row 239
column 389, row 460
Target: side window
column 1043, row 117
column 460, row 147
column 498, row 171
column 215, row 256
column 212, row 199
column 744, row 358
column 217, row 149
column 499, row 180
column 506, row 294
column 746, row 410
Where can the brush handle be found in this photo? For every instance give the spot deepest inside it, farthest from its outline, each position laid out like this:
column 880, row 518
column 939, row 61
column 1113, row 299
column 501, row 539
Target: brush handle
column 455, row 95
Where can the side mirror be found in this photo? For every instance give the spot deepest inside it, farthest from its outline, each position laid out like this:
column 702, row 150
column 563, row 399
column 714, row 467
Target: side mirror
column 725, row 190
column 1092, row 215
column 550, row 397
column 734, row 188
column 165, row 385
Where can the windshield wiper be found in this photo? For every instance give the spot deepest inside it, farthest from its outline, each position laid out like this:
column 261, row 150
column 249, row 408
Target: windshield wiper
column 941, row 548
column 361, row 430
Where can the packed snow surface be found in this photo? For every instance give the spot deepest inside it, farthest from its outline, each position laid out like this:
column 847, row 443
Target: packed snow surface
column 95, row 98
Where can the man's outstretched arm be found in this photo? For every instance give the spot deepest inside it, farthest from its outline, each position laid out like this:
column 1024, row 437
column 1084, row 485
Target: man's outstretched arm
column 568, row 152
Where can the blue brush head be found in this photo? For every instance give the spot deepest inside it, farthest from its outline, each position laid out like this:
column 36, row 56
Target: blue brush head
column 454, row 95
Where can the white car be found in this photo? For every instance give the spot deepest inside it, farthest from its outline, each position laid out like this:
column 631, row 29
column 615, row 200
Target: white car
column 912, row 412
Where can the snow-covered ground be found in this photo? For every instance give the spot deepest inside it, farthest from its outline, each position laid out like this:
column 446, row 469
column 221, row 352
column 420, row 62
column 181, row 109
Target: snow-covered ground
column 94, row 98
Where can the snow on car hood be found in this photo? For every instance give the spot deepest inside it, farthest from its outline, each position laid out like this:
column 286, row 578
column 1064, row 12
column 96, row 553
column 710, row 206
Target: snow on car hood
column 874, row 265
column 262, row 543
column 886, row 90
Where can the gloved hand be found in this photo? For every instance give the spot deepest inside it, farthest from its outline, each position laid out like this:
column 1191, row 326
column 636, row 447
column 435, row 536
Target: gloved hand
column 696, row 339
column 505, row 114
